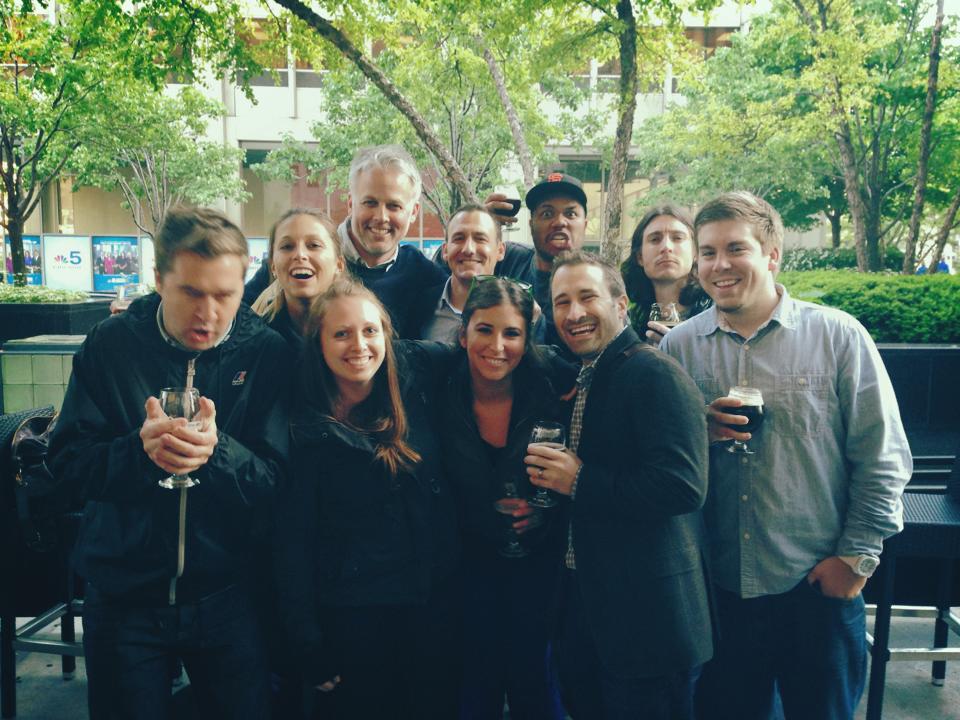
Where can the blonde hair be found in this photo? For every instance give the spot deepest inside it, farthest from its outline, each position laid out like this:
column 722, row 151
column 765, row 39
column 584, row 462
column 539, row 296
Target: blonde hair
column 272, row 300
column 382, row 414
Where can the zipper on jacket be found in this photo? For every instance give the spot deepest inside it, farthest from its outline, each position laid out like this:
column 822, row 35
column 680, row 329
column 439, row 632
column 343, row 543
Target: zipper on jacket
column 182, row 519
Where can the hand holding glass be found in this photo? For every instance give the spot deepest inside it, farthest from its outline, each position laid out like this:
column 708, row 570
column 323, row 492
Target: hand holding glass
column 506, row 506
column 548, row 434
column 665, row 314
column 177, row 403
column 751, row 407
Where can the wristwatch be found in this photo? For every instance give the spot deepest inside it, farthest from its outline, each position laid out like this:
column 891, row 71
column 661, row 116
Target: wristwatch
column 862, row 565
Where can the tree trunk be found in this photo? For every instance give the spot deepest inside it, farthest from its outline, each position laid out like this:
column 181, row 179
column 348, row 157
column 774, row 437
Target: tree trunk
column 920, row 188
column 851, row 181
column 610, row 246
column 834, row 218
column 330, row 33
column 513, row 119
column 944, row 233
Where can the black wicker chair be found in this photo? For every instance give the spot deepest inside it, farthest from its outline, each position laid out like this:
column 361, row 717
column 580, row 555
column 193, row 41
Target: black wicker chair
column 66, row 609
column 931, row 529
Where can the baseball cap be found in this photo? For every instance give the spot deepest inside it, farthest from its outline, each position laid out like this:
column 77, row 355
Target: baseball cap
column 556, row 184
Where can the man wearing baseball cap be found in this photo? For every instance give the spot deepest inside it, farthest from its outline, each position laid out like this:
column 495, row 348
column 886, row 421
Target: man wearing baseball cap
column 558, row 223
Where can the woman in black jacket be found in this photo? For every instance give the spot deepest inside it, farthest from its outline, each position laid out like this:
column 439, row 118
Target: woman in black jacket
column 491, row 400
column 367, row 543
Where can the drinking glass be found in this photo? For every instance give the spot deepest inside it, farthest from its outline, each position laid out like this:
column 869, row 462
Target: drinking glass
column 128, row 292
column 752, row 409
column 548, row 434
column 665, row 314
column 512, row 212
column 506, row 506
column 185, row 403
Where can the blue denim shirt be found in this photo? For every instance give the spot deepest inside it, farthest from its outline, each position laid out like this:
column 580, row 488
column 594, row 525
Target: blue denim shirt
column 831, row 459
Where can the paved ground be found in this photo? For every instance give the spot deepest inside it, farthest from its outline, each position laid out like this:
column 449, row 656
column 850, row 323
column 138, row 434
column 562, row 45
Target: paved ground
column 42, row 694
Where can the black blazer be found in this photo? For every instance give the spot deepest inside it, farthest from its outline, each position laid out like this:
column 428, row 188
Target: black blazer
column 636, row 517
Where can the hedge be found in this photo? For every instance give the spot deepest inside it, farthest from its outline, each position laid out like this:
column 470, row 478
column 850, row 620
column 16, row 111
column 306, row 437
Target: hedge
column 830, row 258
column 39, row 294
column 894, row 308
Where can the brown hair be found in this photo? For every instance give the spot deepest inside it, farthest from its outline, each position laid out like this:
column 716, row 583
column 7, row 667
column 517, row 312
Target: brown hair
column 494, row 292
column 203, row 231
column 578, row 257
column 272, row 300
column 760, row 215
column 639, row 287
column 382, row 414
column 478, row 208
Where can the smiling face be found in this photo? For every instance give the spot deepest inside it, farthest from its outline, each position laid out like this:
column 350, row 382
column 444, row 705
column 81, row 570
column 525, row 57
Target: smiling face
column 304, row 258
column 557, row 224
column 352, row 342
column 586, row 315
column 735, row 270
column 495, row 341
column 201, row 297
column 382, row 206
column 666, row 254
column 472, row 247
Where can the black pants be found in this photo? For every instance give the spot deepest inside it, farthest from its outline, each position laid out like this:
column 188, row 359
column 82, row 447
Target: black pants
column 396, row 661
column 129, row 652
column 591, row 692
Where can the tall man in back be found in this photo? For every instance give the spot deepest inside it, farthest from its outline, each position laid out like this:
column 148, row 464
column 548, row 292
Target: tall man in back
column 796, row 527
column 636, row 621
column 384, row 201
column 167, row 570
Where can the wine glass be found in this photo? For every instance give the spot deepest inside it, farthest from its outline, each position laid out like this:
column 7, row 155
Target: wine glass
column 752, row 409
column 665, row 314
column 548, row 434
column 509, row 212
column 185, row 403
column 128, row 292
column 506, row 506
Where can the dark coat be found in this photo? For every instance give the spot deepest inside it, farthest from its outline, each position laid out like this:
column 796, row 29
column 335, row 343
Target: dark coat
column 636, row 520
column 352, row 535
column 127, row 544
column 478, row 482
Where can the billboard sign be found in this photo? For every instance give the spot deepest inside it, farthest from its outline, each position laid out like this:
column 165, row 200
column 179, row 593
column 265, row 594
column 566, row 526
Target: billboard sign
column 31, row 258
column 116, row 261
column 68, row 262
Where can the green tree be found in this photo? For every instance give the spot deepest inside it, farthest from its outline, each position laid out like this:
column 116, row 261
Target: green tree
column 152, row 147
column 55, row 80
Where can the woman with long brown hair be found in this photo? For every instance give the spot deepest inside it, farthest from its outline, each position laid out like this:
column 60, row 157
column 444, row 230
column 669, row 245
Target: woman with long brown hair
column 367, row 545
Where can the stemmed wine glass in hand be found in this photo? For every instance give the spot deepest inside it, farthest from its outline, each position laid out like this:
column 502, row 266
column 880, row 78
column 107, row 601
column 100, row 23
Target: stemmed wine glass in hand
column 548, row 434
column 176, row 403
column 507, row 506
column 751, row 407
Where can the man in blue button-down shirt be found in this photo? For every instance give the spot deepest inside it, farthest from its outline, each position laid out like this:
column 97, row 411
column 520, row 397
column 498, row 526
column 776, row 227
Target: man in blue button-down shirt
column 797, row 527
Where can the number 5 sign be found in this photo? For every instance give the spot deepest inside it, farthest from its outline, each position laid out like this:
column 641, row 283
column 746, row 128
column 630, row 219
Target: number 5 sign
column 68, row 262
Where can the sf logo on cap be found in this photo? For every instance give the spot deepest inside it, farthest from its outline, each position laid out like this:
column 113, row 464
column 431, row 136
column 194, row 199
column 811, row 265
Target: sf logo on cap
column 555, row 177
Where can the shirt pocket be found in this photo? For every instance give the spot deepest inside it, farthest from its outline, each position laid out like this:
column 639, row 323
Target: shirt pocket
column 709, row 387
column 799, row 405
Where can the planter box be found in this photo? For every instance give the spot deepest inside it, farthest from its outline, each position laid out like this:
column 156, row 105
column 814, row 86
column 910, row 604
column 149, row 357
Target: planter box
column 20, row 320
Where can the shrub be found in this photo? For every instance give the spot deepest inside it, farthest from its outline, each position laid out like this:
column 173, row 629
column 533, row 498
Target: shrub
column 39, row 294
column 828, row 258
column 894, row 308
